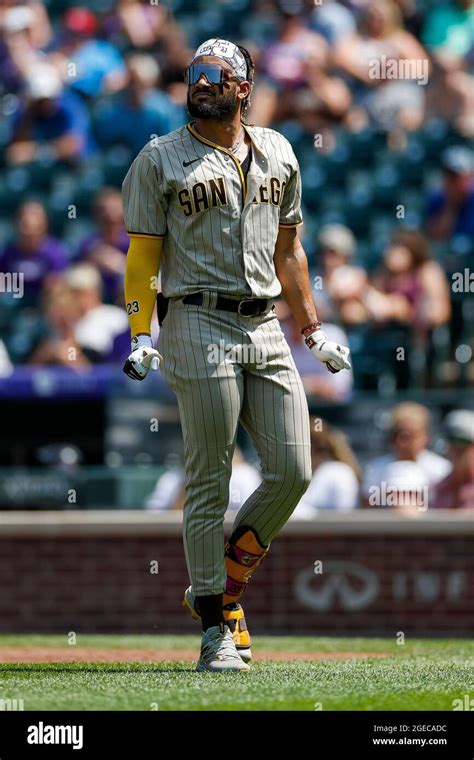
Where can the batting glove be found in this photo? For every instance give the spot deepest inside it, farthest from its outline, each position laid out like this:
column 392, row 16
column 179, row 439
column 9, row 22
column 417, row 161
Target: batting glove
column 143, row 358
column 334, row 356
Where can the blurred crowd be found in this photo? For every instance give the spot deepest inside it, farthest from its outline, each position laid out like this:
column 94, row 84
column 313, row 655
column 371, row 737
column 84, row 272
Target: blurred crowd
column 387, row 164
column 410, row 477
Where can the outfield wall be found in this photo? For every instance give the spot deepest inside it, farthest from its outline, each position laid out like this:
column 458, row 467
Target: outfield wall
column 369, row 573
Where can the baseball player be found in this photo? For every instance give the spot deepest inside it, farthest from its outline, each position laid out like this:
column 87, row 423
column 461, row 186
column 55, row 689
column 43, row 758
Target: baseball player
column 214, row 207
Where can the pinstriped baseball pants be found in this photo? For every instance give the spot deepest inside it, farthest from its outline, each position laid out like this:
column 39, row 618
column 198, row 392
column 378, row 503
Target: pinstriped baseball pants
column 224, row 368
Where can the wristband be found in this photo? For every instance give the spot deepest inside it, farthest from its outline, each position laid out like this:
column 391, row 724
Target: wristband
column 306, row 331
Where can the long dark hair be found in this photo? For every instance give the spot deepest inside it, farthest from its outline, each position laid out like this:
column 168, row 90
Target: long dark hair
column 250, row 77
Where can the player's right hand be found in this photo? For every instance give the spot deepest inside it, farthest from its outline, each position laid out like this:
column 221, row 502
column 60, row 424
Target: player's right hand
column 142, row 358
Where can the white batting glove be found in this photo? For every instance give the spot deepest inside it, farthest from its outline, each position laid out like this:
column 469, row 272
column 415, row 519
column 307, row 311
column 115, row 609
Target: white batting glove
column 334, row 356
column 143, row 358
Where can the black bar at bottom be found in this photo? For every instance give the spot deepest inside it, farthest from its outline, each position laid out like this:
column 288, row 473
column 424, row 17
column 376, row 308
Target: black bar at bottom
column 144, row 735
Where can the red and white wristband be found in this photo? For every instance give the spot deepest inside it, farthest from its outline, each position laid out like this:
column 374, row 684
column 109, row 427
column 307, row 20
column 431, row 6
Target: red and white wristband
column 308, row 332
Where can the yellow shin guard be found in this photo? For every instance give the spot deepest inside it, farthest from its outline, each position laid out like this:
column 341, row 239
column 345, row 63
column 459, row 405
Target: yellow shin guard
column 243, row 554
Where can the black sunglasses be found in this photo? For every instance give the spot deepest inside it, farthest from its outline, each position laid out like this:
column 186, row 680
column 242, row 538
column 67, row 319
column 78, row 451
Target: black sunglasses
column 214, row 74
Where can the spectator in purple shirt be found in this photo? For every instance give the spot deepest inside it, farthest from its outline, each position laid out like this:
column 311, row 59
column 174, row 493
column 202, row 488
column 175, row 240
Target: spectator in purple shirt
column 106, row 248
column 32, row 252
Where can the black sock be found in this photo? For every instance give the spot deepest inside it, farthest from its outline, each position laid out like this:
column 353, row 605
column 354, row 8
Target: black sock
column 210, row 610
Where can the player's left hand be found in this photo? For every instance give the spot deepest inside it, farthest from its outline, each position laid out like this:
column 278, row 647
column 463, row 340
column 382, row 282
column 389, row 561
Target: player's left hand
column 334, row 356
column 143, row 358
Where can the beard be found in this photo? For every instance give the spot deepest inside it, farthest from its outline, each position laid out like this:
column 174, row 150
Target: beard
column 221, row 107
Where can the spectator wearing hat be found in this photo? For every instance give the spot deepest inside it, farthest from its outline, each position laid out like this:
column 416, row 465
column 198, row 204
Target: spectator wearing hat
column 408, row 436
column 456, row 491
column 51, row 124
column 450, row 210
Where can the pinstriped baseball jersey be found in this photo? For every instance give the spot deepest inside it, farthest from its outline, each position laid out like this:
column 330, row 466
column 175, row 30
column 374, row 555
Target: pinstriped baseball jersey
column 219, row 228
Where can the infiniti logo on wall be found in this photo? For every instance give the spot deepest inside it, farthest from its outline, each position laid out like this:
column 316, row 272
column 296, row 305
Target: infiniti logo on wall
column 343, row 584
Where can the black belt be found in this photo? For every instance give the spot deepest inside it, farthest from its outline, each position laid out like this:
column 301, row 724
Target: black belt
column 247, row 307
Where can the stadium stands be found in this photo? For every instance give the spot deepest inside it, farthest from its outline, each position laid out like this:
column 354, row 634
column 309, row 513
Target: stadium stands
column 362, row 173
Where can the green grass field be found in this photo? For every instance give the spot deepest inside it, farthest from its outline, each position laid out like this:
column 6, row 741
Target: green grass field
column 419, row 675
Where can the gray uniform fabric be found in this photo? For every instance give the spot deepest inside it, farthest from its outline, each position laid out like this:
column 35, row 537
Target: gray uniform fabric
column 219, row 228
column 222, row 366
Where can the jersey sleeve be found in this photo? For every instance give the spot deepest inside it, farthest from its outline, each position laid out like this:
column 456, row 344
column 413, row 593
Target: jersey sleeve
column 145, row 203
column 290, row 210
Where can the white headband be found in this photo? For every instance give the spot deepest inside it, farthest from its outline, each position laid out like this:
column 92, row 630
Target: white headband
column 227, row 51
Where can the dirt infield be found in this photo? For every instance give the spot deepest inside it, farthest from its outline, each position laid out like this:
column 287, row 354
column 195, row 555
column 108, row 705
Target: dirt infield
column 85, row 654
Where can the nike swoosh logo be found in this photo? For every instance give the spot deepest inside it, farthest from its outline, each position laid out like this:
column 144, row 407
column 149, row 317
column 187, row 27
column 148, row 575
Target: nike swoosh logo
column 188, row 163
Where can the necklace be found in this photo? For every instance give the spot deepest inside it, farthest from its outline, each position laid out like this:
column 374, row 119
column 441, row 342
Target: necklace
column 237, row 145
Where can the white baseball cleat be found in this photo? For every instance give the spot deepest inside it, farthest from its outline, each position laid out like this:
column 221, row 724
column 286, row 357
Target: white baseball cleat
column 218, row 652
column 235, row 619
